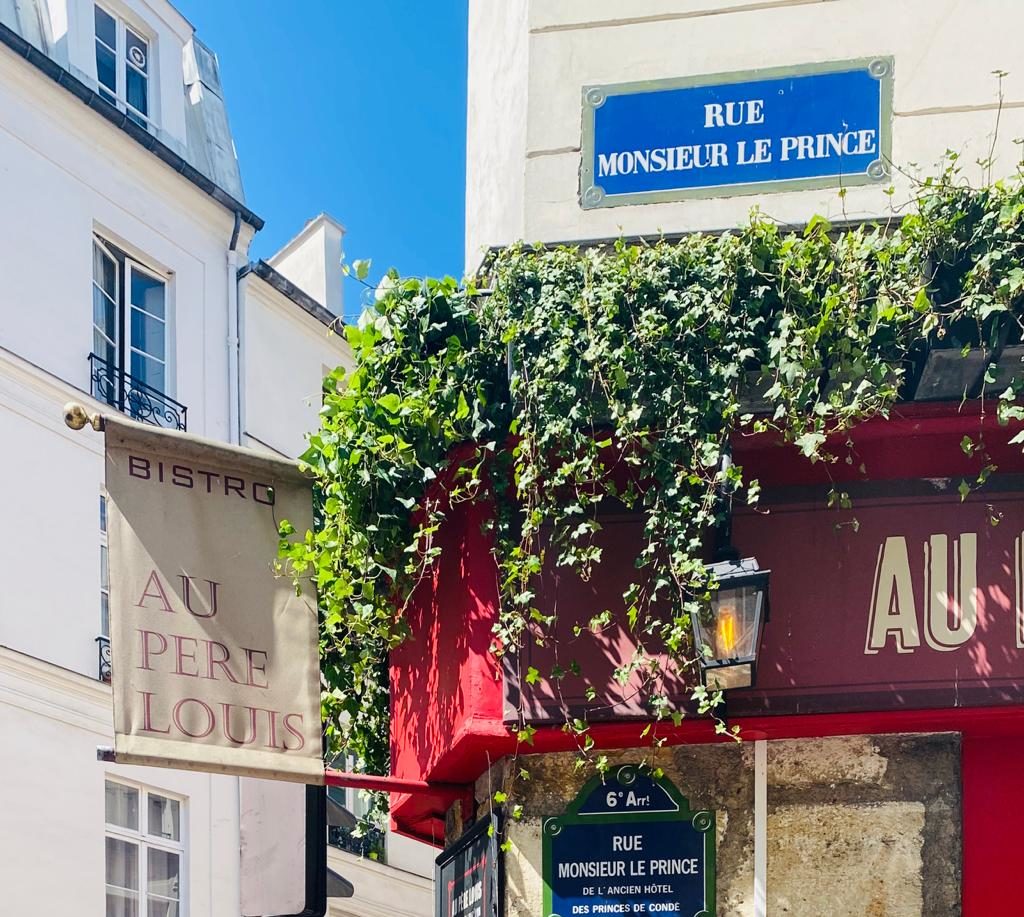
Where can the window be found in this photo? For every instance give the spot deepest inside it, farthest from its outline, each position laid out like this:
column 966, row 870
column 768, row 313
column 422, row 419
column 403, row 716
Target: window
column 106, row 298
column 103, row 640
column 144, row 853
column 122, row 66
column 365, row 840
column 129, row 331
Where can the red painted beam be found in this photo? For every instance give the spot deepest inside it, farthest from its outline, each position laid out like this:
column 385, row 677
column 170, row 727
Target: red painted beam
column 451, row 791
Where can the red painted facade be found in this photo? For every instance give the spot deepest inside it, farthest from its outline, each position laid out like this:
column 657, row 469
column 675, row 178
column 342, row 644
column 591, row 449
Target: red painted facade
column 818, row 674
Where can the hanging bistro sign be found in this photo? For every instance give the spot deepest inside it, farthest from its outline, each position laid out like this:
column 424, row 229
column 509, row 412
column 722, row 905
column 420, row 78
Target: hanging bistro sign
column 629, row 844
column 214, row 655
column 814, row 126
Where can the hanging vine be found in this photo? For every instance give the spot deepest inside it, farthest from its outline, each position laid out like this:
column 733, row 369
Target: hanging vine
column 578, row 376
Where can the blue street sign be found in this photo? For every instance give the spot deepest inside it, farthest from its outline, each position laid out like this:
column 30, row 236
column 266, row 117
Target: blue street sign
column 629, row 844
column 816, row 126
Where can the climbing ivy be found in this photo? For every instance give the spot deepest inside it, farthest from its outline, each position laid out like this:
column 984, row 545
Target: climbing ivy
column 567, row 377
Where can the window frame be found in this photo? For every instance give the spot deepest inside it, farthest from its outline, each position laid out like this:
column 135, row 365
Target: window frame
column 104, row 569
column 107, row 252
column 127, row 263
column 130, row 268
column 144, row 842
column 119, row 98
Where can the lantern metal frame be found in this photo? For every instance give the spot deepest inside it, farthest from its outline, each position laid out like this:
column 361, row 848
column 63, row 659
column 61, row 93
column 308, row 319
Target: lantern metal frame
column 724, row 673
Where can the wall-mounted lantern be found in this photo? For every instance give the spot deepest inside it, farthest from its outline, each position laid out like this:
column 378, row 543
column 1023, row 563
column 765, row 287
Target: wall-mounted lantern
column 727, row 634
column 731, row 629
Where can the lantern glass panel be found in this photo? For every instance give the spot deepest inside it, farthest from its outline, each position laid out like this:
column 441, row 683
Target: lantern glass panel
column 735, row 614
column 730, row 628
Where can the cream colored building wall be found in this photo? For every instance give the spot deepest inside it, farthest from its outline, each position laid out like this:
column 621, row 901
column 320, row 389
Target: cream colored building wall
column 946, row 97
column 312, row 261
column 499, row 44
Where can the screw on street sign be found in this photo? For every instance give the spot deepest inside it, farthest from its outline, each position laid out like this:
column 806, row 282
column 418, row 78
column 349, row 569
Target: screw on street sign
column 629, row 844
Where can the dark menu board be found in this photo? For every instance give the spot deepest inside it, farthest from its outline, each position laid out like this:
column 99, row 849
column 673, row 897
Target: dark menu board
column 466, row 875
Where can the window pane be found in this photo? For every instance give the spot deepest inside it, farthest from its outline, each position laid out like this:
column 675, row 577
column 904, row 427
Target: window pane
column 160, row 908
column 103, row 513
column 137, row 91
column 122, row 904
column 148, row 334
column 164, row 817
column 106, row 27
column 104, row 315
column 104, row 614
column 122, row 808
column 106, row 68
column 137, row 50
column 104, row 574
column 122, row 863
column 148, row 293
column 164, row 868
column 104, row 306
column 147, row 370
column 104, row 271
column 105, row 350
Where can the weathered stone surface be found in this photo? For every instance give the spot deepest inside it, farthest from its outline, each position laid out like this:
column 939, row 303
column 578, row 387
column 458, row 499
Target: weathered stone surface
column 844, row 759
column 714, row 777
column 862, row 826
column 846, row 861
column 860, row 775
column 524, row 888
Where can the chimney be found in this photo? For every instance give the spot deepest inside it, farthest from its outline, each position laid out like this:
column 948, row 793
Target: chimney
column 312, row 261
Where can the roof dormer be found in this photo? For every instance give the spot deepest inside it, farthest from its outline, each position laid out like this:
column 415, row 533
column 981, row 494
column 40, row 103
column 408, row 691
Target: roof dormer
column 141, row 58
column 135, row 54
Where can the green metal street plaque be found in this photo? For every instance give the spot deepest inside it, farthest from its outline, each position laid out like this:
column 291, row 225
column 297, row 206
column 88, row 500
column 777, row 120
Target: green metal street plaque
column 629, row 844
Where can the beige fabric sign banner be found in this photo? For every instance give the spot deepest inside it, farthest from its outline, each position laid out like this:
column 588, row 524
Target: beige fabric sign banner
column 214, row 657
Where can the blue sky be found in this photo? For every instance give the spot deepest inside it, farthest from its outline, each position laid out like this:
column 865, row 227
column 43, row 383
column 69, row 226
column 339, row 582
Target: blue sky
column 358, row 109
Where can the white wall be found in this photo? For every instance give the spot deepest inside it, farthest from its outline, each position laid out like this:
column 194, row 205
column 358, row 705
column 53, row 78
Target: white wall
column 66, row 173
column 945, row 97
column 50, row 600
column 52, row 800
column 380, row 891
column 284, row 351
column 312, row 261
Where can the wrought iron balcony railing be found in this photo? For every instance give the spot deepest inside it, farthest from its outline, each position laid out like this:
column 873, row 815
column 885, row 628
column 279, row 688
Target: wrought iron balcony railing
column 103, row 648
column 370, row 843
column 133, row 397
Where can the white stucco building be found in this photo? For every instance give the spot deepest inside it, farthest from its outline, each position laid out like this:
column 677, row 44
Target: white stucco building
column 127, row 286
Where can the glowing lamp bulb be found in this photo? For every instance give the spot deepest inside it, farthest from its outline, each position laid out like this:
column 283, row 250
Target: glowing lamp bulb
column 725, row 632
